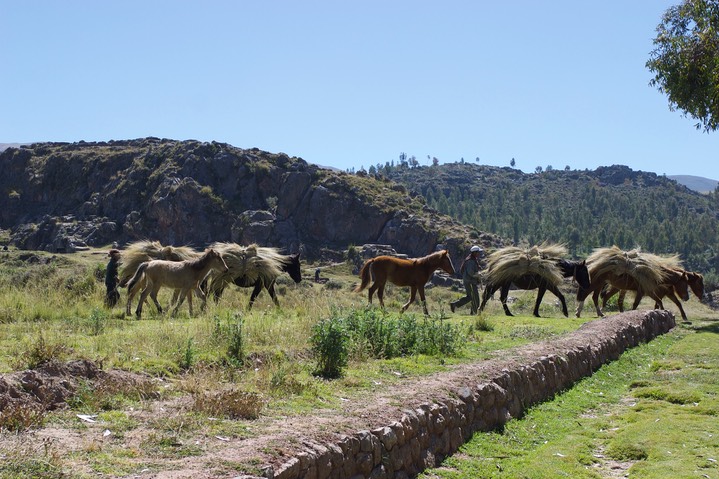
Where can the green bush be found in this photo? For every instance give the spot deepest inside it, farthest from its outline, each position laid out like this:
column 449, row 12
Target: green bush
column 330, row 346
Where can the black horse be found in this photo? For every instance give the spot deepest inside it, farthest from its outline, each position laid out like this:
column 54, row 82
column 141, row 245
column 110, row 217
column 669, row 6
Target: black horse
column 290, row 265
column 577, row 270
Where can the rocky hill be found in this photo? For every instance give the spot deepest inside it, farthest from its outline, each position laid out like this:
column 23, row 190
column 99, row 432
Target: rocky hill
column 63, row 196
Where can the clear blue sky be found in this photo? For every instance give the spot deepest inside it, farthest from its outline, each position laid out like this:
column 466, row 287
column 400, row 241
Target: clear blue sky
column 352, row 84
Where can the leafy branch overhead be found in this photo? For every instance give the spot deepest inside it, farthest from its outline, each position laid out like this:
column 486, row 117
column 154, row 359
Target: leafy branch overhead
column 685, row 61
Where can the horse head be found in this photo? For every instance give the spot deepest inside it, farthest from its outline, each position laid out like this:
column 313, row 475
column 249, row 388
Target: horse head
column 696, row 283
column 293, row 267
column 681, row 285
column 218, row 261
column 581, row 275
column 446, row 262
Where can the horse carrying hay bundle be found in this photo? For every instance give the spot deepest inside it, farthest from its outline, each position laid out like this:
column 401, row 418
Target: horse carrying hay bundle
column 675, row 286
column 647, row 274
column 542, row 267
column 184, row 276
column 403, row 272
column 253, row 266
column 140, row 251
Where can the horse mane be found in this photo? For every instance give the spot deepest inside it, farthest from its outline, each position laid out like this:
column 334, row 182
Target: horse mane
column 138, row 252
column 253, row 262
column 647, row 269
column 200, row 262
column 429, row 258
column 511, row 262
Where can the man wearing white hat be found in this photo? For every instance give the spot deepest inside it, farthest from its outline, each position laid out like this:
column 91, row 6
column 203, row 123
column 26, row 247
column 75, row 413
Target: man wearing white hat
column 470, row 277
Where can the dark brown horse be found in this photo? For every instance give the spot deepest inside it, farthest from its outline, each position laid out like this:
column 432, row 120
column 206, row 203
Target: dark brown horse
column 675, row 284
column 403, row 272
column 289, row 264
column 574, row 269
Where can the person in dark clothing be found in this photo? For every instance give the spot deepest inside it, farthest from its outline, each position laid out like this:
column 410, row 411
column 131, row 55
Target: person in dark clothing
column 111, row 278
column 470, row 278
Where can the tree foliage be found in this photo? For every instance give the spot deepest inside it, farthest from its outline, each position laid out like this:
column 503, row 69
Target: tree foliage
column 685, row 61
column 584, row 209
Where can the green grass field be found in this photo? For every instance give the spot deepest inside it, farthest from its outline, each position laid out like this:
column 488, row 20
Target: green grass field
column 648, row 414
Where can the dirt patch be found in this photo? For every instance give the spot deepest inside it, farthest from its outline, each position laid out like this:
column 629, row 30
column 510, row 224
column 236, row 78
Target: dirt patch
column 268, row 442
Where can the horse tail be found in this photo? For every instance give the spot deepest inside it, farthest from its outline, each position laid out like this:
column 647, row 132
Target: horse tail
column 137, row 276
column 364, row 276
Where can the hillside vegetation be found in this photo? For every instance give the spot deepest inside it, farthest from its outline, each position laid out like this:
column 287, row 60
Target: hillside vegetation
column 585, row 209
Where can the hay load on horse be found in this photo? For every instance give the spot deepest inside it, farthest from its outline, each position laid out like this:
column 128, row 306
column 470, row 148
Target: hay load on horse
column 254, row 266
column 540, row 267
column 676, row 286
column 403, row 272
column 137, row 253
column 634, row 269
column 184, row 276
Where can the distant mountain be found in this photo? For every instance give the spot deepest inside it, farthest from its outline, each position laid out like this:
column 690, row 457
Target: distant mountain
column 696, row 183
column 5, row 146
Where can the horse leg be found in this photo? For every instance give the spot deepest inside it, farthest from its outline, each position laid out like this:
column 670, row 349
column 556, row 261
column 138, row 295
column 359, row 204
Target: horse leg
column 581, row 296
column 595, row 298
column 371, row 291
column 503, row 298
column 676, row 301
column 620, row 300
column 608, row 293
column 559, row 295
column 637, row 298
column 380, row 294
column 143, row 297
column 203, row 297
column 489, row 290
column 255, row 292
column 273, row 295
column 412, row 296
column 153, row 295
column 423, row 299
column 181, row 300
column 540, row 294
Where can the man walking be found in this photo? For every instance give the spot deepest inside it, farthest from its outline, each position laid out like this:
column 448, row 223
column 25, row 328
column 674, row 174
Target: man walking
column 470, row 279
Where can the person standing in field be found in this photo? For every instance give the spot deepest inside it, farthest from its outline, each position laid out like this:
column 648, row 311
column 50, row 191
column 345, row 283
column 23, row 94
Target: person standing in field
column 111, row 278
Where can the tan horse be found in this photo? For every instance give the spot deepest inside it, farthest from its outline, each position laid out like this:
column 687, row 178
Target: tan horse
column 403, row 272
column 184, row 276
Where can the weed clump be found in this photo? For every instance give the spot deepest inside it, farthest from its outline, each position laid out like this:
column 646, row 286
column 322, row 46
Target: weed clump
column 230, row 403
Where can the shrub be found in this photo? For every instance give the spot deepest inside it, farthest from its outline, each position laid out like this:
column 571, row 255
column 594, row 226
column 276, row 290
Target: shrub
column 330, row 346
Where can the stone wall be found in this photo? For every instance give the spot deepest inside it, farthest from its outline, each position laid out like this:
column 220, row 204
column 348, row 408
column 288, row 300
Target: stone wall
column 422, row 437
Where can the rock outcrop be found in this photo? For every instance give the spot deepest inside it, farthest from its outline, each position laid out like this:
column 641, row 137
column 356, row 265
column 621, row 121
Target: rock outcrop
column 61, row 197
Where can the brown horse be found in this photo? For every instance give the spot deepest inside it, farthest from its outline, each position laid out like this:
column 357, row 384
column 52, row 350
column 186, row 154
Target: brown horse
column 644, row 272
column 403, row 272
column 679, row 285
column 674, row 281
column 184, row 276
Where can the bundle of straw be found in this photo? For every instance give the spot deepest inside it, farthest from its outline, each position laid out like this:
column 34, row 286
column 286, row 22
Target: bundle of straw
column 647, row 269
column 140, row 251
column 251, row 262
column 509, row 263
